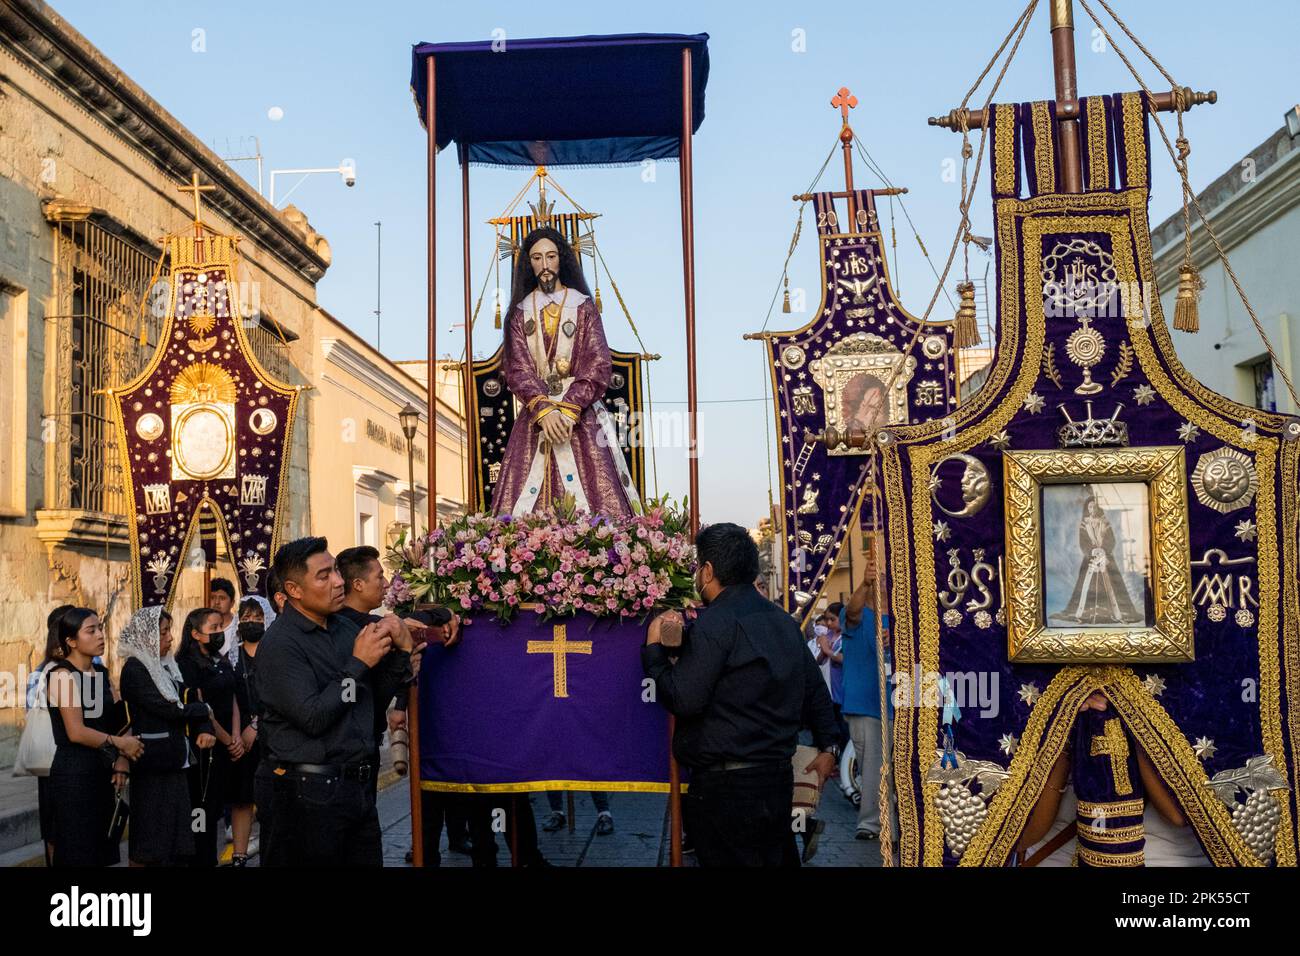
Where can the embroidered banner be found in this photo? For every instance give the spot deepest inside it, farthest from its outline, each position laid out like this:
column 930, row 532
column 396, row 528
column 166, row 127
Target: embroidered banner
column 1095, row 520
column 204, row 432
column 862, row 359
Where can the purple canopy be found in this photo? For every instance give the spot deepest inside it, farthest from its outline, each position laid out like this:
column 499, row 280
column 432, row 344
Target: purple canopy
column 562, row 101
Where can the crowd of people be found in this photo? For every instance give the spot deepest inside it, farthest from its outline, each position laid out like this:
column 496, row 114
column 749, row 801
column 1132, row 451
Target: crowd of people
column 274, row 711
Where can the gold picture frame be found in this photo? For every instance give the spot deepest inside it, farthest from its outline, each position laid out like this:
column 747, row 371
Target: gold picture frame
column 863, row 379
column 1159, row 633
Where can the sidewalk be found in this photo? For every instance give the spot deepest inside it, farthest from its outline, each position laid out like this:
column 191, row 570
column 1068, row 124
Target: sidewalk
column 20, row 823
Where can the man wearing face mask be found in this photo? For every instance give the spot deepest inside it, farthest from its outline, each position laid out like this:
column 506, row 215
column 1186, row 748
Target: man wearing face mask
column 253, row 615
column 741, row 684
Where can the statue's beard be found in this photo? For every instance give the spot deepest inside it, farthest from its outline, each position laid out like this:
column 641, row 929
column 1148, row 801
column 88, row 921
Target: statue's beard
column 547, row 281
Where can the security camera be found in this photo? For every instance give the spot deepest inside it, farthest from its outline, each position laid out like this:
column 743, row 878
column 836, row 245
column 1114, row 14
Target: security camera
column 350, row 179
column 348, row 170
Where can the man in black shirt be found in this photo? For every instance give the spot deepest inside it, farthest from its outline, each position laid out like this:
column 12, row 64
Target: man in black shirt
column 321, row 678
column 742, row 685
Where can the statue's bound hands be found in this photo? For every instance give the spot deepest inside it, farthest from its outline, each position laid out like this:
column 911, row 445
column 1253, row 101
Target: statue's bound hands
column 556, row 427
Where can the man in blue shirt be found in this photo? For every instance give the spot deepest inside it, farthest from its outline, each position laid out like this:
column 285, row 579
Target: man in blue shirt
column 862, row 693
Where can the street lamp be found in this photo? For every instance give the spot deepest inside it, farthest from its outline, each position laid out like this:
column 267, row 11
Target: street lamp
column 410, row 418
column 347, row 169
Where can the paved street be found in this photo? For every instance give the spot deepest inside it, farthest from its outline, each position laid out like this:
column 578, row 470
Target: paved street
column 640, row 837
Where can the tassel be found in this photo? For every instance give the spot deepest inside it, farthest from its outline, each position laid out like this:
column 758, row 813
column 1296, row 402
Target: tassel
column 496, row 319
column 785, row 305
column 1187, row 314
column 599, row 307
column 966, row 332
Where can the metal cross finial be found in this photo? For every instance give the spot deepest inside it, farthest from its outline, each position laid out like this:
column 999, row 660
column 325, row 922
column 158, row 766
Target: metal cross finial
column 196, row 189
column 845, row 101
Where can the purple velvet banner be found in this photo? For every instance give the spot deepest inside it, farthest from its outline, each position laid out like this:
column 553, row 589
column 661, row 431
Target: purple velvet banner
column 541, row 705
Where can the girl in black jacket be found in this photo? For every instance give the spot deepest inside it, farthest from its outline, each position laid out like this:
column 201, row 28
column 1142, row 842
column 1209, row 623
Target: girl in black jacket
column 208, row 673
column 164, row 714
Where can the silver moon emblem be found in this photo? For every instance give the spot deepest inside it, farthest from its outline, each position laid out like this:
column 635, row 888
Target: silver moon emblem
column 492, row 387
column 262, row 421
column 975, row 486
column 616, row 380
column 149, row 426
column 934, row 346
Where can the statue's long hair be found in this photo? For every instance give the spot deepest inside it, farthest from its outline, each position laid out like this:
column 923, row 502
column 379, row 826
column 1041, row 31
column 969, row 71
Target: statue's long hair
column 524, row 282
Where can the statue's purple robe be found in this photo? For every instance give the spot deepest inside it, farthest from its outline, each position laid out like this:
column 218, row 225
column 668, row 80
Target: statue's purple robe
column 591, row 370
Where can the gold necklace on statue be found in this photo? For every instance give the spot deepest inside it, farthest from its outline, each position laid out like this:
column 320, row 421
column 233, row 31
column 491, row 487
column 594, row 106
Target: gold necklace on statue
column 551, row 314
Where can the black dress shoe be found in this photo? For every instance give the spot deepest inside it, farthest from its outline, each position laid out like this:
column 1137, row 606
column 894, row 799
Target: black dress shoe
column 461, row 845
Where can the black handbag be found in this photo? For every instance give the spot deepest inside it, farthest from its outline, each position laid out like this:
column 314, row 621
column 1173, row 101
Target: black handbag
column 121, row 815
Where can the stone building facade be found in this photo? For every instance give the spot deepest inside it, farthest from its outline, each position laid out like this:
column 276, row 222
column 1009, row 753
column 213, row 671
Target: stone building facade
column 1255, row 209
column 89, row 170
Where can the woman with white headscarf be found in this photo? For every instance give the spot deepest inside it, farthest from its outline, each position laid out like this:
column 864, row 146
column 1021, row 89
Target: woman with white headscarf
column 165, row 715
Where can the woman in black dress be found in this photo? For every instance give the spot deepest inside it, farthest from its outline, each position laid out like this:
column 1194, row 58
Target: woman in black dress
column 91, row 753
column 255, row 614
column 152, row 689
column 36, row 683
column 208, row 675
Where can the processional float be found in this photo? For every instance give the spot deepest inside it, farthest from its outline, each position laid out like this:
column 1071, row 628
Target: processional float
column 1119, row 534
column 563, row 711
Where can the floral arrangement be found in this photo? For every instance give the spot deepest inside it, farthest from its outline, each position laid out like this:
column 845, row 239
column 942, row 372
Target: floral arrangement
column 560, row 560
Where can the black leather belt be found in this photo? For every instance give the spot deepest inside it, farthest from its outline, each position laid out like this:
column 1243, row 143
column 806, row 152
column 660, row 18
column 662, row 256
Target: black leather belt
column 742, row 765
column 346, row 771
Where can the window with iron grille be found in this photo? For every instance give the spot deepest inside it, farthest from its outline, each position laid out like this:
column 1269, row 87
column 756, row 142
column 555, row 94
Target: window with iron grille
column 1265, row 391
column 103, row 338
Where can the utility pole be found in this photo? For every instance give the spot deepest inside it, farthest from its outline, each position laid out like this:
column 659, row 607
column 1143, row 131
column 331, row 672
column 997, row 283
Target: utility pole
column 379, row 287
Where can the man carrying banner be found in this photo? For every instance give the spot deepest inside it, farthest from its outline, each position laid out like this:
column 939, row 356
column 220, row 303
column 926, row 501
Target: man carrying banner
column 742, row 685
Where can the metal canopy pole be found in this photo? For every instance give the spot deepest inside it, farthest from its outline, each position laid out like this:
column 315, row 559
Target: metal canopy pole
column 431, row 396
column 467, row 382
column 688, row 287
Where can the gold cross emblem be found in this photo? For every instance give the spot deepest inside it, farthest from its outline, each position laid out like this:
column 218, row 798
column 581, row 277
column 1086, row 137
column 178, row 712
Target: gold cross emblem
column 1114, row 744
column 559, row 648
column 196, row 189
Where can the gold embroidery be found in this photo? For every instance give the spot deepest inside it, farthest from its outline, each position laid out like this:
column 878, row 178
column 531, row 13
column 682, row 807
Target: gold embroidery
column 1113, row 745
column 560, row 647
column 1098, row 145
column 532, row 786
column 1115, row 835
column 1134, row 113
column 1044, row 148
column 1004, row 150
column 1093, row 858
column 1111, row 809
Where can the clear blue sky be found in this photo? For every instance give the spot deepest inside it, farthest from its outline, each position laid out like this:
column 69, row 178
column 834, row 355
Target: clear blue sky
column 340, row 73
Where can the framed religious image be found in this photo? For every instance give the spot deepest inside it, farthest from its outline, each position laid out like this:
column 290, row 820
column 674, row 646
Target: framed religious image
column 1097, row 566
column 864, row 386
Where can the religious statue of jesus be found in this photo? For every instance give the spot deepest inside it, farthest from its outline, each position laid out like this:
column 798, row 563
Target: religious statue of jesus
column 557, row 365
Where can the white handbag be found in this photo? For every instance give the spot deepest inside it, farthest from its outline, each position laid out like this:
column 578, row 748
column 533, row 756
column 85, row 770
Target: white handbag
column 36, row 746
